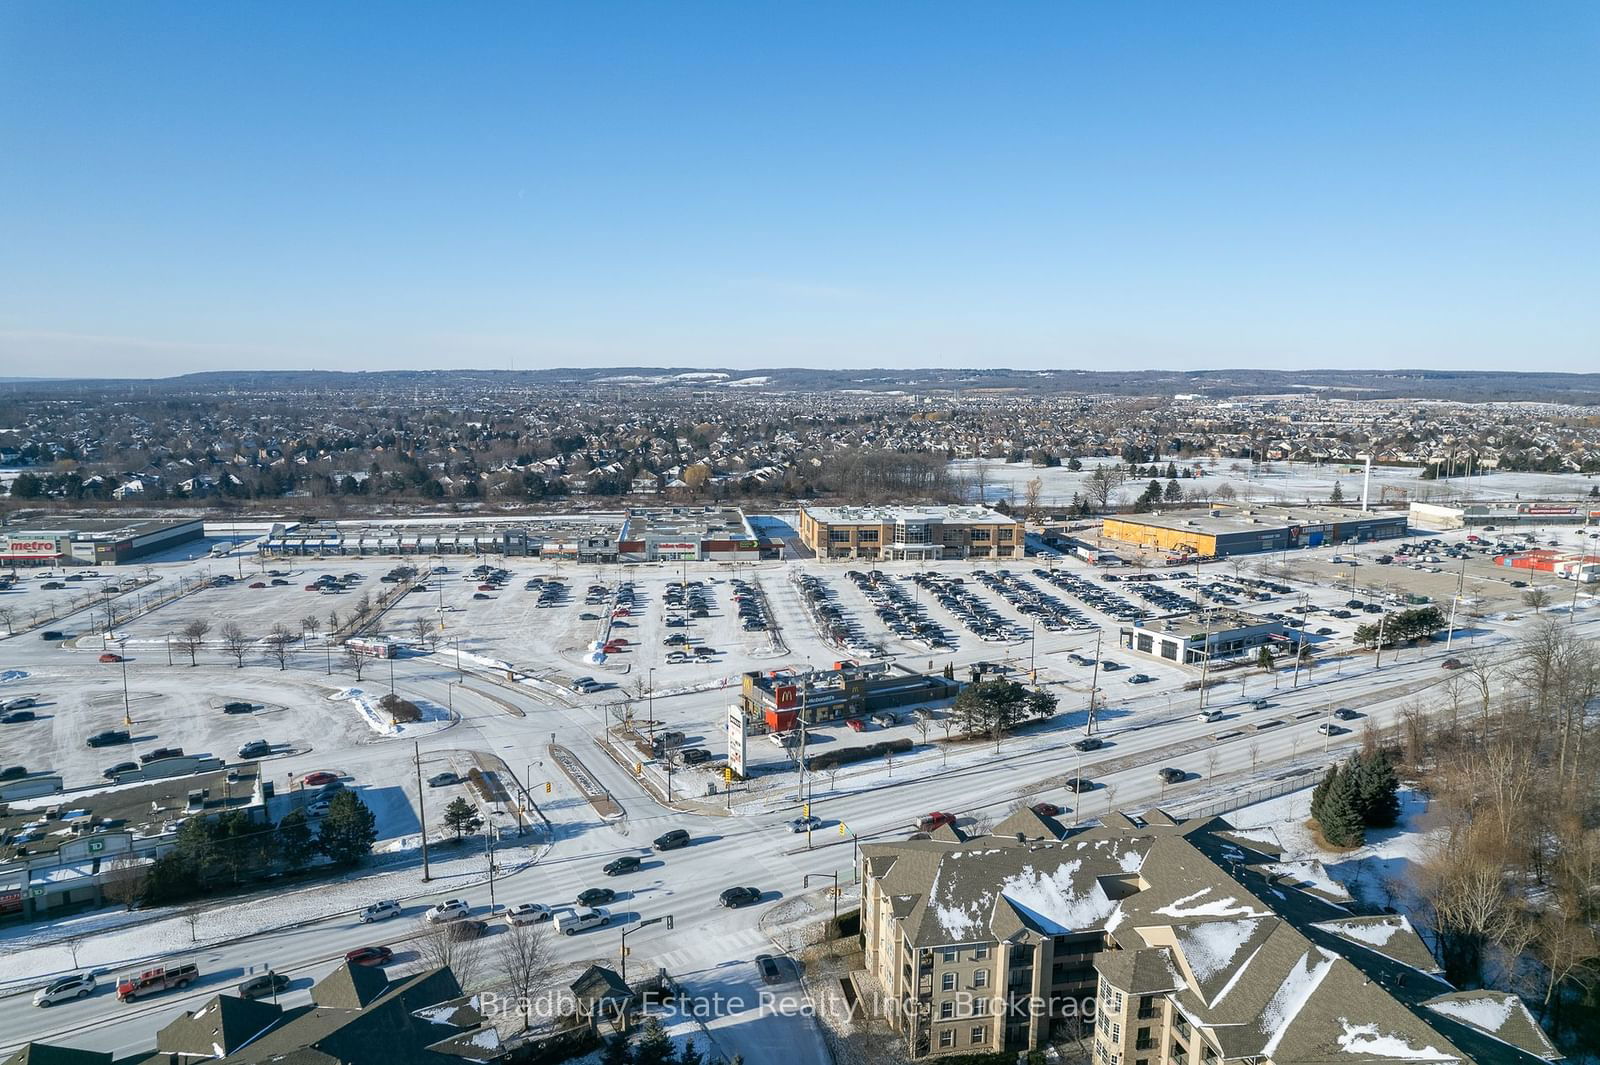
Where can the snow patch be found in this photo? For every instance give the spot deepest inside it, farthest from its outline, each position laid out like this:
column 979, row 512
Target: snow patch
column 1310, row 874
column 1211, row 946
column 1226, row 906
column 9, row 675
column 1487, row 1013
column 1130, row 861
column 1365, row 1039
column 1302, row 980
column 1372, row 933
column 1054, row 903
column 434, row 716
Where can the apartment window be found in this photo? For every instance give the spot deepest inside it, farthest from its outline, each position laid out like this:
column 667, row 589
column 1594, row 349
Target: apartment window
column 950, row 955
column 947, row 982
column 1113, row 999
column 947, row 1038
column 977, row 1034
column 1116, row 1032
column 947, row 1010
column 980, row 978
column 980, row 953
column 980, row 1007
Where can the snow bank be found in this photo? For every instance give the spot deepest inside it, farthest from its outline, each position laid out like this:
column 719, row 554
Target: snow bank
column 434, row 716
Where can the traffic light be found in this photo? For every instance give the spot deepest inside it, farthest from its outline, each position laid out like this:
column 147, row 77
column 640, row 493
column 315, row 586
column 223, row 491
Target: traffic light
column 548, row 787
column 842, row 831
column 805, row 810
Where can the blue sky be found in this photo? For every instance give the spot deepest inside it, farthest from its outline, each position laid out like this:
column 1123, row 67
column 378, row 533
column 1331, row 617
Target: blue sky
column 196, row 186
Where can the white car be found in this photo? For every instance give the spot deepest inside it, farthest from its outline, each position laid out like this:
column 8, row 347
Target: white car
column 805, row 824
column 581, row 918
column 65, row 989
column 1209, row 715
column 21, row 702
column 528, row 913
column 448, row 910
column 785, row 739
column 380, row 911
column 319, row 808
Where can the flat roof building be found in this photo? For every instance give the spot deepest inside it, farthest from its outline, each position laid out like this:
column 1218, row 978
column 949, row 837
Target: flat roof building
column 1189, row 640
column 921, row 532
column 94, row 541
column 688, row 534
column 1243, row 530
column 571, row 539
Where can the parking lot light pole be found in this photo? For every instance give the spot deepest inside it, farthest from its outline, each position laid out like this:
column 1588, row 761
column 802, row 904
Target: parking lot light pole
column 127, row 709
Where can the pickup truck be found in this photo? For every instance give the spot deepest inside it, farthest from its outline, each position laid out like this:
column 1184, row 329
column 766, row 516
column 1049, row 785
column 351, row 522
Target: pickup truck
column 151, row 981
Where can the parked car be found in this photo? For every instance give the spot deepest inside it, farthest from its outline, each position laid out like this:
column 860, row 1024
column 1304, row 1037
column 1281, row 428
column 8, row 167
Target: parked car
column 319, row 808
column 255, row 749
column 528, row 913
column 65, row 989
column 238, row 707
column 16, row 717
column 317, row 779
column 448, row 910
column 672, row 840
column 581, row 918
column 1140, row 678
column 20, row 702
column 735, row 897
column 369, row 956
column 628, row 863
column 440, row 780
column 1170, row 775
column 595, row 896
column 380, row 911
column 113, row 772
column 268, row 983
column 160, row 753
column 109, row 738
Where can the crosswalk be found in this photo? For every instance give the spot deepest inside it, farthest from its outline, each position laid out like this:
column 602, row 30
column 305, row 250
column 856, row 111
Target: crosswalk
column 712, row 949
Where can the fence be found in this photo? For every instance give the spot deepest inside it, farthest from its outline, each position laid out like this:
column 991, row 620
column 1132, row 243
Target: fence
column 1239, row 800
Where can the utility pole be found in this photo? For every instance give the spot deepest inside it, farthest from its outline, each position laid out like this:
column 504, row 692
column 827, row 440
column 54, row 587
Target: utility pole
column 1461, row 583
column 488, row 854
column 127, row 709
column 422, row 817
column 1094, row 684
column 1377, row 662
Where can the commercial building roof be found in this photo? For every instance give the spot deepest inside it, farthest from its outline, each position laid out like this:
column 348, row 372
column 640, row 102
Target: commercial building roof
column 1223, row 521
column 687, row 524
column 955, row 514
column 106, row 530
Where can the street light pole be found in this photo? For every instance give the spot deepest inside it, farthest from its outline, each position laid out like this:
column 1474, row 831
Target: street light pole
column 825, row 876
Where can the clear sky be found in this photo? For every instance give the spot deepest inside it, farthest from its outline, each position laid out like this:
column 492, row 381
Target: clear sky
column 356, row 185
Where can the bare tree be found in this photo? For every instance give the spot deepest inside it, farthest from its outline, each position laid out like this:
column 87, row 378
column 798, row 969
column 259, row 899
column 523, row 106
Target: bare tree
column 191, row 916
column 1537, row 598
column 1211, row 763
column 333, row 623
column 1031, row 492
column 309, row 625
column 355, row 660
column 236, row 642
column 1255, row 754
column 192, row 636
column 9, row 616
column 1102, row 482
column 444, row 945
column 74, row 944
column 422, row 628
column 524, row 958
column 279, row 641
column 122, row 881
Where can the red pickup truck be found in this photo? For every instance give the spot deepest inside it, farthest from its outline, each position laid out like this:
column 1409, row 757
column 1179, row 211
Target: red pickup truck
column 151, row 981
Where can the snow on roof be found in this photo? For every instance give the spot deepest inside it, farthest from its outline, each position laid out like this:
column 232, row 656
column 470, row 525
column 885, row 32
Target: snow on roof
column 1297, row 987
column 1053, row 903
column 1366, row 1039
column 1210, row 946
column 1226, row 906
column 1489, row 1013
column 1310, row 875
column 1372, row 933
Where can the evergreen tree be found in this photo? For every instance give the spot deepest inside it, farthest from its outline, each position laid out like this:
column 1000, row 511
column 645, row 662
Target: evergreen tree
column 690, row 1054
column 654, row 1048
column 1337, row 495
column 1376, row 786
column 1340, row 819
column 295, row 845
column 348, row 830
column 616, row 1051
column 1264, row 659
column 1172, row 471
column 462, row 816
column 1319, row 794
column 1174, row 492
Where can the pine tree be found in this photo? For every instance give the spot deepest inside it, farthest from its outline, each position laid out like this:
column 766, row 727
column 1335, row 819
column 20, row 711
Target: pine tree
column 1264, row 659
column 348, row 830
column 1337, row 495
column 616, row 1051
column 462, row 816
column 1377, row 786
column 1319, row 794
column 654, row 1048
column 295, row 845
column 690, row 1054
column 1340, row 821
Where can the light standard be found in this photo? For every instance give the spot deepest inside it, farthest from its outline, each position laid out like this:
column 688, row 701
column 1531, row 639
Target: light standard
column 834, row 876
column 127, row 709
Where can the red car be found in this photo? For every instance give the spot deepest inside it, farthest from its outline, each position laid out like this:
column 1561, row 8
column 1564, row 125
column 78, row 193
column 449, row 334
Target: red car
column 319, row 778
column 935, row 820
column 1046, row 809
column 369, row 956
column 856, row 724
column 259, row 584
column 110, row 657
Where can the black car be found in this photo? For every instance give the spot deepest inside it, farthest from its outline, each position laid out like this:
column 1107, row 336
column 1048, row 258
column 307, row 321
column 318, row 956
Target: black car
column 255, row 749
column 237, row 707
column 459, row 930
column 1088, row 743
column 1170, row 775
column 669, row 841
column 16, row 716
column 161, row 752
column 113, row 772
column 1344, row 713
column 694, row 755
column 13, row 772
column 109, row 738
column 596, row 896
column 770, row 972
column 1079, row 784
column 52, row 634
column 739, row 896
column 268, row 983
column 618, row 866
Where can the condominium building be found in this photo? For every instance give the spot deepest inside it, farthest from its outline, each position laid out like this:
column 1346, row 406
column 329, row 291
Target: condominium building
column 931, row 532
column 1155, row 939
